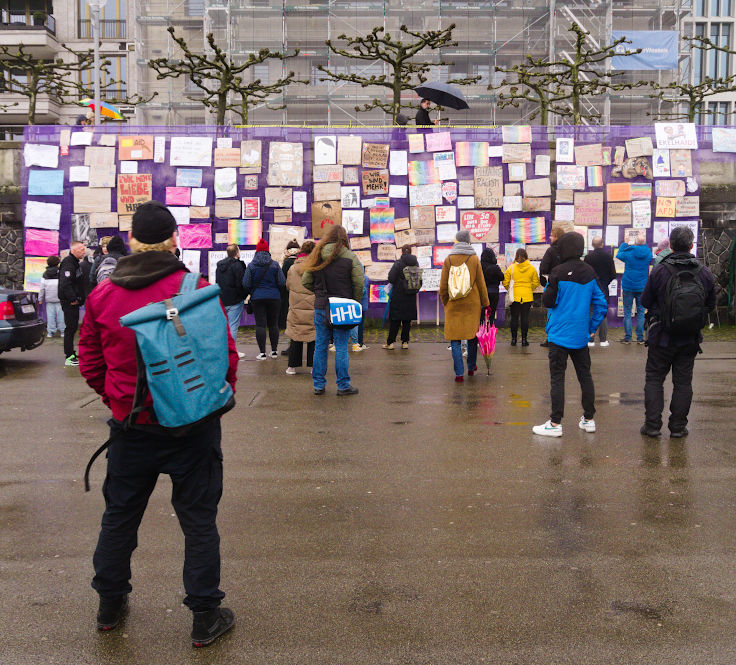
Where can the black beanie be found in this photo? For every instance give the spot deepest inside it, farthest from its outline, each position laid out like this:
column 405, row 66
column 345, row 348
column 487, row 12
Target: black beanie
column 116, row 245
column 153, row 223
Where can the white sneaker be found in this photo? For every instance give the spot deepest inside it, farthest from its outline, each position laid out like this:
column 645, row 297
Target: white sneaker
column 357, row 348
column 591, row 344
column 241, row 354
column 548, row 429
column 274, row 354
column 261, row 356
column 606, row 343
column 331, row 347
column 291, row 370
column 587, row 425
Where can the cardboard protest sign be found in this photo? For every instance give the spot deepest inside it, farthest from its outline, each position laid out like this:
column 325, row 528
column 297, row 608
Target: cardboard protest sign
column 278, row 197
column 324, row 215
column 99, row 220
column 619, row 213
column 135, row 147
column 589, row 208
column 375, row 182
column 570, row 177
column 536, row 203
column 282, row 216
column 537, row 187
column 687, row 206
column 285, row 164
column 250, row 155
column 669, row 188
column 482, row 224
column 229, row 157
column 362, row 242
column 227, row 209
column 349, row 149
column 589, row 155
column 407, row 237
column 422, row 217
column 327, row 173
column 133, row 190
column 326, row 191
column 516, row 152
column 375, row 155
column 488, row 186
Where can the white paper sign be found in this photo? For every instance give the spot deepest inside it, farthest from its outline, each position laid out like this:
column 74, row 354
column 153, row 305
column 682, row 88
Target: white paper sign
column 180, row 213
column 198, row 196
column 190, row 258
column 446, row 232
column 611, row 238
column 128, row 167
column 397, row 191
column 565, row 150
column 224, row 142
column 542, row 165
column 159, row 149
column 299, row 201
column 190, row 151
column 564, row 213
column 466, row 202
column 495, row 151
column 353, row 220
column 661, row 163
column 397, row 162
column 512, row 203
column 661, row 231
column 225, row 183
column 81, row 138
column 325, row 149
column 41, row 155
column 444, row 163
column 212, row 258
column 425, row 195
column 431, row 279
column 613, row 287
column 41, row 215
column 79, row 174
column 676, row 135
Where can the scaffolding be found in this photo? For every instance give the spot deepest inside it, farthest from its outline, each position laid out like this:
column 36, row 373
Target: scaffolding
column 490, row 34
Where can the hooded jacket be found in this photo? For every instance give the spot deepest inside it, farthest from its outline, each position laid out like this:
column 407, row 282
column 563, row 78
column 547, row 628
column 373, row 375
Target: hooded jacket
column 107, row 358
column 525, row 280
column 49, row 291
column 601, row 260
column 264, row 278
column 636, row 258
column 654, row 294
column 402, row 305
column 571, row 291
column 229, row 277
column 343, row 278
column 300, row 319
column 550, row 259
column 492, row 273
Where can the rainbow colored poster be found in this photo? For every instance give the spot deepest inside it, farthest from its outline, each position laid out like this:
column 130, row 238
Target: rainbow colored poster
column 382, row 225
column 595, row 176
column 380, row 292
column 35, row 267
column 471, row 153
column 244, row 231
column 527, row 229
column 423, row 173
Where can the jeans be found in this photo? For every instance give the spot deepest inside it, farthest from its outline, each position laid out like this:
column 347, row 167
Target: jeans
column 71, row 323
column 660, row 359
column 134, row 461
column 234, row 312
column 629, row 297
column 54, row 318
column 457, row 355
column 342, row 361
column 393, row 329
column 520, row 309
column 266, row 313
column 557, row 365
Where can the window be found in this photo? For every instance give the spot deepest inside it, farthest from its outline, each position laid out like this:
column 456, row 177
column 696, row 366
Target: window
column 719, row 8
column 718, row 113
column 21, row 11
column 714, row 64
column 112, row 20
column 699, row 7
column 117, row 70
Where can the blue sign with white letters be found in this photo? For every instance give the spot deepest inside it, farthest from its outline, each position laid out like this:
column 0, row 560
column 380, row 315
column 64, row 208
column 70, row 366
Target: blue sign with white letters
column 658, row 49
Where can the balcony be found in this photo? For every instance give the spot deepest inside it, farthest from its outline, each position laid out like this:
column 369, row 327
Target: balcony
column 109, row 29
column 36, row 34
column 48, row 111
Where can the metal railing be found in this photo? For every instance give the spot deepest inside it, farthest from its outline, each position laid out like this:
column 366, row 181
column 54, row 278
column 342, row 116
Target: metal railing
column 10, row 21
column 109, row 29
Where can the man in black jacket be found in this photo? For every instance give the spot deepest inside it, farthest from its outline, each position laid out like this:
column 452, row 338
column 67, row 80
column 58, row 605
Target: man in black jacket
column 72, row 290
column 422, row 117
column 602, row 262
column 667, row 349
column 229, row 277
column 551, row 258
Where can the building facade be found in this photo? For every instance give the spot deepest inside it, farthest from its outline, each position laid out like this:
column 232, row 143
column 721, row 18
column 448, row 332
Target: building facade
column 490, row 34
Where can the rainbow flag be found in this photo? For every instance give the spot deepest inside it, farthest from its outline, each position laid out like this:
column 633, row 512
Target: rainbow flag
column 380, row 292
column 423, row 173
column 244, row 231
column 471, row 153
column 528, row 229
column 641, row 191
column 35, row 267
column 382, row 225
column 595, row 176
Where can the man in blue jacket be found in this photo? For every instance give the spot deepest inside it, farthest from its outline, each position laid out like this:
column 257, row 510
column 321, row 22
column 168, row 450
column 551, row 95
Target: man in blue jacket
column 636, row 260
column 572, row 293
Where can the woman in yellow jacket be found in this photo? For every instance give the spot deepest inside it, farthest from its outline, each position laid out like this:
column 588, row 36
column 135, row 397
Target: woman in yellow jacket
column 525, row 280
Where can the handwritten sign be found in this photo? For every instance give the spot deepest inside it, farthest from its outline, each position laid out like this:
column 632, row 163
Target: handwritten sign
column 619, row 213
column 250, row 155
column 285, row 164
column 516, row 152
column 133, row 190
column 227, row 157
column 482, row 224
column 589, row 208
column 488, row 186
column 325, row 214
column 278, row 197
column 225, row 209
column 687, row 206
column 326, row 191
column 375, row 155
column 190, row 151
column 135, row 147
column 431, row 279
column 425, row 195
column 375, row 182
column 641, row 214
column 676, row 135
column 589, row 155
column 666, row 206
column 669, row 187
column 327, row 173
column 570, row 177
column 349, row 149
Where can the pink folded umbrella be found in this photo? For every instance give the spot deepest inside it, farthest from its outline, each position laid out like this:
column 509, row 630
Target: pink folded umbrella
column 486, row 341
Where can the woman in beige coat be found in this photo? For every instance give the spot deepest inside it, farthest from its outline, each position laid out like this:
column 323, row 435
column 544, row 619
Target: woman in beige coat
column 300, row 319
column 462, row 315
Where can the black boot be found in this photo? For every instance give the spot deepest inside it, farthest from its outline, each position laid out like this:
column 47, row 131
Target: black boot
column 207, row 626
column 111, row 612
column 524, row 341
column 513, row 339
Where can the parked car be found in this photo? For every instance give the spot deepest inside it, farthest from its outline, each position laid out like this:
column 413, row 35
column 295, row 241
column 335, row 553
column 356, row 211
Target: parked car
column 20, row 325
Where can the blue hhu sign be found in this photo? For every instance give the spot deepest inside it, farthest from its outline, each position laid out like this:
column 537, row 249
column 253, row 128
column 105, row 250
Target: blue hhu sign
column 344, row 312
column 658, row 49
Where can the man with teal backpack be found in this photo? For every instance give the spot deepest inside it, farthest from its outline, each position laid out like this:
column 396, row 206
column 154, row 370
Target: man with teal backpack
column 156, row 346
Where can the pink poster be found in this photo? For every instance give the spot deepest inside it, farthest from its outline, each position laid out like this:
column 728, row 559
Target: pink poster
column 195, row 236
column 40, row 242
column 438, row 142
column 178, row 196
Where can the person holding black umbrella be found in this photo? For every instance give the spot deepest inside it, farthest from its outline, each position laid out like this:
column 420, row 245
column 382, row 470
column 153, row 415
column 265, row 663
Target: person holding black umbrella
column 422, row 117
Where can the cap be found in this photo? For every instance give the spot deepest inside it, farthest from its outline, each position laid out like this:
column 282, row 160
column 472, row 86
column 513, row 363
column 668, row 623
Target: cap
column 262, row 246
column 153, row 223
column 463, row 235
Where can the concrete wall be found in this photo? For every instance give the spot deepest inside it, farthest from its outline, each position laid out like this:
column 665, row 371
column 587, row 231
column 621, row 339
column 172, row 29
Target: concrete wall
column 11, row 219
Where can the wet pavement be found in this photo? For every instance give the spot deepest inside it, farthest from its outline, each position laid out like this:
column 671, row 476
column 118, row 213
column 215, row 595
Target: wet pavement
column 419, row 522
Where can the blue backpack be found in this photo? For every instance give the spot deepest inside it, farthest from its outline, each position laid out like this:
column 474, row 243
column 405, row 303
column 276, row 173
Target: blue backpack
column 182, row 351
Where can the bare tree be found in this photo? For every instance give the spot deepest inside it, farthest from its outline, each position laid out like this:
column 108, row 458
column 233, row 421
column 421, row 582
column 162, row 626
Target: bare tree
column 221, row 79
column 398, row 54
column 688, row 99
column 562, row 86
column 58, row 79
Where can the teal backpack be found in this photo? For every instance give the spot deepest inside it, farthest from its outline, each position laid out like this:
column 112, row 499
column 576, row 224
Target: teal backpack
column 182, row 351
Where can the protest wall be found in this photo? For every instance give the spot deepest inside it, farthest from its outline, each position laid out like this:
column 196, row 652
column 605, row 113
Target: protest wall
column 387, row 186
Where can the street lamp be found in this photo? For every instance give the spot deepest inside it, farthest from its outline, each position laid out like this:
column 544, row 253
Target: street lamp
column 95, row 7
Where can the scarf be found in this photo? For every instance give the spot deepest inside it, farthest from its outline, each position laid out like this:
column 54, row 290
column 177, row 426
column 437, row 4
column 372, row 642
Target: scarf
column 462, row 248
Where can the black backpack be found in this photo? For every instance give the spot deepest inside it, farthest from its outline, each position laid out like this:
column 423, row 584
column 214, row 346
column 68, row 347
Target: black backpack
column 413, row 277
column 684, row 311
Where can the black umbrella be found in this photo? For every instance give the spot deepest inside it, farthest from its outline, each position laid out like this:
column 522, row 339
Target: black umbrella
column 442, row 94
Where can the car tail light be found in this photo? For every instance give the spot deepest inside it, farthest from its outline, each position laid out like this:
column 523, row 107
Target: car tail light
column 6, row 311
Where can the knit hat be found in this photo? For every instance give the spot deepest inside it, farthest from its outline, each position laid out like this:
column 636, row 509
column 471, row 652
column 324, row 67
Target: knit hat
column 153, row 223
column 463, row 235
column 116, row 245
column 262, row 246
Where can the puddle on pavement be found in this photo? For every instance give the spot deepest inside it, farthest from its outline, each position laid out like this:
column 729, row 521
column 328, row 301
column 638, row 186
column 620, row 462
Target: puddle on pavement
column 642, row 609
